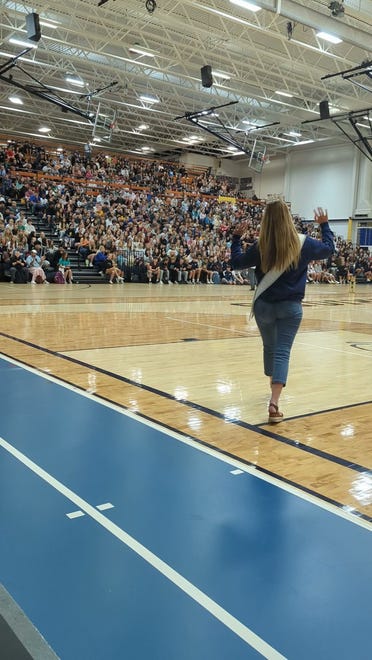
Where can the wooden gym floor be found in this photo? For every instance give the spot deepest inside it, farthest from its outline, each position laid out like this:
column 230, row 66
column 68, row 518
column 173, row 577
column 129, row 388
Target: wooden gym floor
column 189, row 358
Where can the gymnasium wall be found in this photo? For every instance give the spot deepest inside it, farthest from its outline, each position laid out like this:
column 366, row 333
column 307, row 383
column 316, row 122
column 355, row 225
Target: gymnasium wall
column 322, row 176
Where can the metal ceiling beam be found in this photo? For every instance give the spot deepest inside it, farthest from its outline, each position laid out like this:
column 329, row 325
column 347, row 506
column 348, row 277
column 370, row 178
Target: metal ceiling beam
column 318, row 21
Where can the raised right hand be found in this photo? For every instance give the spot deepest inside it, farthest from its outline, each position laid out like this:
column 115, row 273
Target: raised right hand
column 320, row 216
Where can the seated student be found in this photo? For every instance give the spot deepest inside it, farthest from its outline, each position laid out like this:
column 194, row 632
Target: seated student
column 311, row 273
column 228, row 276
column 183, row 272
column 327, row 277
column 64, row 265
column 91, row 253
column 99, row 260
column 173, row 268
column 33, row 263
column 17, row 269
column 83, row 249
column 238, row 277
column 215, row 267
column 368, row 270
column 194, row 269
column 154, row 273
column 164, row 269
column 363, row 267
column 4, row 261
column 205, row 273
column 53, row 256
column 112, row 269
column 139, row 271
column 316, row 271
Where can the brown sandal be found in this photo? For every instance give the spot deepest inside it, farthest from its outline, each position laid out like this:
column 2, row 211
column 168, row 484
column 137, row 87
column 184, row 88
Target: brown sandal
column 275, row 417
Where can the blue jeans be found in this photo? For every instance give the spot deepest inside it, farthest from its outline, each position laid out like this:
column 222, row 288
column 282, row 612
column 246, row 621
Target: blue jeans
column 278, row 323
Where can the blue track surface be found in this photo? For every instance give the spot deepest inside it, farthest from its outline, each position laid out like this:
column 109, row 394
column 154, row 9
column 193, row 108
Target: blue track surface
column 298, row 576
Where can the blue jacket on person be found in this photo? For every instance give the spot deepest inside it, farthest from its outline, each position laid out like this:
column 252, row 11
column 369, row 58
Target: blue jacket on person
column 291, row 284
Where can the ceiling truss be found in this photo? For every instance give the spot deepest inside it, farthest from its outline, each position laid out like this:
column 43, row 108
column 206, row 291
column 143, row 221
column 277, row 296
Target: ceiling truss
column 251, row 55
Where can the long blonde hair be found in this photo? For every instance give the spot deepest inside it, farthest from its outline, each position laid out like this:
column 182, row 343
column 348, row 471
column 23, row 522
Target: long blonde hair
column 278, row 244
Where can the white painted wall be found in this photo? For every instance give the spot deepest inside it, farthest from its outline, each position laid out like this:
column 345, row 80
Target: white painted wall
column 308, row 177
column 324, row 177
column 363, row 196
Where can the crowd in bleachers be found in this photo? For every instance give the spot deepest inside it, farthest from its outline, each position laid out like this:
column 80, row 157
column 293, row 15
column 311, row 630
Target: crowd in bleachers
column 133, row 220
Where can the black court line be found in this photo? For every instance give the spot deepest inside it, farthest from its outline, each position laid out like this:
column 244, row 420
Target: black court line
column 214, row 413
column 322, row 412
column 196, row 439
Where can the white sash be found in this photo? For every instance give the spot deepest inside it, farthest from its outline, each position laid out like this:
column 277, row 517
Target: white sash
column 269, row 278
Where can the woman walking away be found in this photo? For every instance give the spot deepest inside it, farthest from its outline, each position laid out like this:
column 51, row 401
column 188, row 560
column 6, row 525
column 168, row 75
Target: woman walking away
column 281, row 257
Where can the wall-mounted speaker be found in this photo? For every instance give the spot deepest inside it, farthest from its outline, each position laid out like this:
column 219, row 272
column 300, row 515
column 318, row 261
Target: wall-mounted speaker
column 324, row 110
column 33, row 27
column 206, row 75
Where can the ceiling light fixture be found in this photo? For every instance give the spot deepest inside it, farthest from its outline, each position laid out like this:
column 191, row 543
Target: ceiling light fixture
column 282, row 139
column 139, row 51
column 293, row 134
column 329, row 37
column 16, row 100
column 149, row 99
column 22, row 42
column 246, row 5
column 222, row 75
column 75, row 81
column 44, row 129
column 290, row 96
column 296, row 144
column 48, row 25
column 11, row 109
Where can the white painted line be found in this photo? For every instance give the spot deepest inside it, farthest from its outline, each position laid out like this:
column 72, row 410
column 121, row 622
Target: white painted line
column 237, row 471
column 173, row 576
column 335, row 350
column 75, row 514
column 210, row 325
column 235, row 462
column 104, row 507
